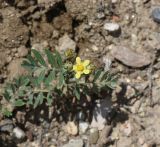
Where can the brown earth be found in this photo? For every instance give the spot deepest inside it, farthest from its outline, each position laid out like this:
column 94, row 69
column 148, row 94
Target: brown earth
column 41, row 23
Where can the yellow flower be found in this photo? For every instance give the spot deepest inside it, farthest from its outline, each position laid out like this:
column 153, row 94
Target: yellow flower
column 81, row 67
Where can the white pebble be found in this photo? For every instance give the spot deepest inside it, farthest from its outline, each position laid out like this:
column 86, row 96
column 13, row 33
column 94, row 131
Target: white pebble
column 18, row 133
column 111, row 27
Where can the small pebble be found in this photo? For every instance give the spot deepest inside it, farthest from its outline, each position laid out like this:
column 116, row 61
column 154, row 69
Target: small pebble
column 83, row 126
column 93, row 136
column 74, row 143
column 18, row 133
column 156, row 14
column 72, row 128
column 22, row 51
column 111, row 27
column 6, row 125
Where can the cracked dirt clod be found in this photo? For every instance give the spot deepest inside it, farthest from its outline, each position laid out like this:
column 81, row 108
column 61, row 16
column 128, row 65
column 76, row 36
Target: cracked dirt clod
column 13, row 31
column 129, row 57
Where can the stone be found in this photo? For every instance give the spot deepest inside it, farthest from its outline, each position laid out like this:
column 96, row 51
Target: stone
column 6, row 125
column 112, row 27
column 83, row 127
column 18, row 133
column 93, row 135
column 40, row 46
column 71, row 128
column 155, row 95
column 107, row 63
column 74, row 143
column 104, row 135
column 12, row 35
column 65, row 43
column 130, row 92
column 129, row 57
column 22, row 51
column 3, row 59
column 124, row 142
column 114, row 1
column 100, row 113
column 15, row 69
column 127, row 129
column 63, row 23
column 48, row 1
column 156, row 14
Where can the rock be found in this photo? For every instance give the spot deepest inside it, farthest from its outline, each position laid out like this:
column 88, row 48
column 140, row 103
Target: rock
column 6, row 125
column 107, row 63
column 93, row 135
column 155, row 95
column 65, row 43
column 72, row 128
column 63, row 23
column 114, row 1
column 130, row 92
column 104, row 135
column 52, row 146
column 22, row 51
column 15, row 69
column 126, row 128
column 100, row 113
column 19, row 133
column 130, row 58
column 22, row 4
column 156, row 14
column 48, row 1
column 3, row 59
column 124, row 142
column 74, row 143
column 40, row 46
column 83, row 126
column 12, row 35
column 112, row 27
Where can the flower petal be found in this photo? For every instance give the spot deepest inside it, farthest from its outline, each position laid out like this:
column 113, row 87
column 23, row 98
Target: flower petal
column 78, row 75
column 86, row 62
column 78, row 60
column 86, row 71
column 74, row 67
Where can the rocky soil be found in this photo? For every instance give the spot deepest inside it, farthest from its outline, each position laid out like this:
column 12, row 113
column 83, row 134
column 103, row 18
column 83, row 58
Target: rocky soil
column 121, row 35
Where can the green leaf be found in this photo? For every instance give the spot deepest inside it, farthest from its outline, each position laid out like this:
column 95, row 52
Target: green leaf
column 34, row 81
column 105, row 76
column 59, row 58
column 41, row 77
column 113, row 82
column 6, row 112
column 27, row 65
column 21, row 93
column 61, row 80
column 51, row 58
column 51, row 77
column 38, row 100
column 31, row 60
column 19, row 103
column 39, row 57
column 25, row 81
column 97, row 75
column 77, row 92
column 9, row 90
column 49, row 99
column 30, row 99
column 6, row 95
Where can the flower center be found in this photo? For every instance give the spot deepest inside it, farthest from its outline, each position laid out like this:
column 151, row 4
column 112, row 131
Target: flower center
column 80, row 67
